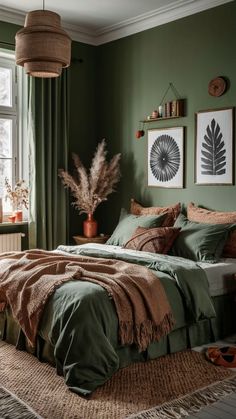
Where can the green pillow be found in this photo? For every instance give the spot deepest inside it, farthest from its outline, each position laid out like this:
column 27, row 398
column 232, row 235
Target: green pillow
column 128, row 224
column 199, row 242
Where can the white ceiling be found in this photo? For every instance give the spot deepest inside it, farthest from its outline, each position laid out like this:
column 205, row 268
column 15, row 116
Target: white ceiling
column 100, row 21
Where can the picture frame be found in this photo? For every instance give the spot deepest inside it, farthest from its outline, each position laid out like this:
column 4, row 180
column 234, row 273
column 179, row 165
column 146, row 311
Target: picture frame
column 166, row 157
column 214, row 147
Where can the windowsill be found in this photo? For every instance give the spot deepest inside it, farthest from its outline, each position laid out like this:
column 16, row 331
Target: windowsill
column 8, row 223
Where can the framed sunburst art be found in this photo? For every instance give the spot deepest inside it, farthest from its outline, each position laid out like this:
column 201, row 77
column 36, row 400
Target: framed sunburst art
column 166, row 157
column 214, row 147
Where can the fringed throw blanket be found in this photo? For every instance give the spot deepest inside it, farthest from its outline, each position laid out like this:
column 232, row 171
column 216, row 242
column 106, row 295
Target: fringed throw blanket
column 27, row 279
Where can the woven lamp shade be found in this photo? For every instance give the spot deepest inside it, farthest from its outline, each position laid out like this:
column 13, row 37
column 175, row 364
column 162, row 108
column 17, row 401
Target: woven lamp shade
column 43, row 48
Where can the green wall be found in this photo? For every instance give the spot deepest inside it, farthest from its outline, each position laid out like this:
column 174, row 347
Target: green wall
column 7, row 35
column 134, row 73
column 119, row 83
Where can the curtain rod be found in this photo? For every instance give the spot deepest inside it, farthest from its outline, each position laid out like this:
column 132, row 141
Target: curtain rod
column 7, row 43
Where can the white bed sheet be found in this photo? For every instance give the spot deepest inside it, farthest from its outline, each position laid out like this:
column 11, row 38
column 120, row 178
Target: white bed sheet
column 220, row 276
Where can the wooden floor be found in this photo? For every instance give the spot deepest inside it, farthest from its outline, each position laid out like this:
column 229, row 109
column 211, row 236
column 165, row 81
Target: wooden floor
column 225, row 408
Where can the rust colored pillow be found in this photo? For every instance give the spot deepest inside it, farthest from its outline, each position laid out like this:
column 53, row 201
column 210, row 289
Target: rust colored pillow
column 205, row 216
column 230, row 246
column 155, row 240
column 171, row 212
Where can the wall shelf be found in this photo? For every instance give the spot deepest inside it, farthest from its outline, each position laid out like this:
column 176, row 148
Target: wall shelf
column 160, row 119
column 166, row 110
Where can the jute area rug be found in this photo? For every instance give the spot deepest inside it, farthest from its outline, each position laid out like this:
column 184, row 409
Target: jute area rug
column 137, row 388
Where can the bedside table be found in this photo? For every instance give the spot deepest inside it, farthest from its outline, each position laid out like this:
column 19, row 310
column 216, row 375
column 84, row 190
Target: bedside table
column 97, row 239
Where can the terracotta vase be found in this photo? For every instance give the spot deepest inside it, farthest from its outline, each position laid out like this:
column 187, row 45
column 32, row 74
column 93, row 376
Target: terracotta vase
column 19, row 216
column 90, row 226
column 12, row 218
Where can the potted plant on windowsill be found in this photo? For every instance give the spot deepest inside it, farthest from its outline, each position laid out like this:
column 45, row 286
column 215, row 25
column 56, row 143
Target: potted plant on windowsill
column 91, row 188
column 19, row 197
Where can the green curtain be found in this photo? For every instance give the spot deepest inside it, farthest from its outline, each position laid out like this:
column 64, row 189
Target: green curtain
column 48, row 145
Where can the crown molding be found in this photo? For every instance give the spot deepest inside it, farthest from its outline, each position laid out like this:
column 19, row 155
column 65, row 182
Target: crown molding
column 176, row 10
column 165, row 14
column 76, row 32
column 80, row 34
column 12, row 16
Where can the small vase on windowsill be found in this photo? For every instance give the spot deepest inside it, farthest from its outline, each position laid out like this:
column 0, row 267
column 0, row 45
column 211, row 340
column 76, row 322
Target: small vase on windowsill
column 90, row 226
column 19, row 216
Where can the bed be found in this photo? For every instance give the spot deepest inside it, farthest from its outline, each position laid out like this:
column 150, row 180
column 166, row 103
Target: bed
column 78, row 331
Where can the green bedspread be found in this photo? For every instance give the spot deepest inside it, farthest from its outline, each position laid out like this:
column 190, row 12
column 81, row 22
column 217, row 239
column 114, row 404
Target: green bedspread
column 80, row 320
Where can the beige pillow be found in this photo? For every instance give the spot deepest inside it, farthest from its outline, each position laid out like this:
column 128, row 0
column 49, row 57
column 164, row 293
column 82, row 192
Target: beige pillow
column 205, row 216
column 171, row 211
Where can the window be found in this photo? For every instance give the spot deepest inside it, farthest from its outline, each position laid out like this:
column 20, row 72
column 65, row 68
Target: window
column 13, row 160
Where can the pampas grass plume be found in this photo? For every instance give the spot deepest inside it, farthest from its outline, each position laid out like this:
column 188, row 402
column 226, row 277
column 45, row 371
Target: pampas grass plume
column 91, row 188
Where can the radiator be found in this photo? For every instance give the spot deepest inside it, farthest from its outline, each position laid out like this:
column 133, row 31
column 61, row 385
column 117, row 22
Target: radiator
column 10, row 242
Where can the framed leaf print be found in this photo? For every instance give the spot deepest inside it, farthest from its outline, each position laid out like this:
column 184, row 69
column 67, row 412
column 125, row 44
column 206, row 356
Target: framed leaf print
column 214, row 147
column 165, row 157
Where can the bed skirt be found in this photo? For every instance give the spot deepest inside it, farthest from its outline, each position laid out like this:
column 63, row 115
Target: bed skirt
column 197, row 334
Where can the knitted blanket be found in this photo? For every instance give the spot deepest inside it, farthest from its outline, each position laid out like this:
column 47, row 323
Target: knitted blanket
column 28, row 279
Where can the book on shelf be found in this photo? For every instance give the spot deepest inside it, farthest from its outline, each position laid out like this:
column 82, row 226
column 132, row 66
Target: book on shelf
column 177, row 108
column 168, row 109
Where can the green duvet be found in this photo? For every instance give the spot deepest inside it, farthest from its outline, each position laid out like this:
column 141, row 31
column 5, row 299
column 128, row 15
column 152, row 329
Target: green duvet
column 80, row 320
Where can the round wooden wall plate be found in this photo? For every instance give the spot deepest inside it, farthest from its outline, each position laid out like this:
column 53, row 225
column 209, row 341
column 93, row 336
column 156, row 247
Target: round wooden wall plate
column 217, row 86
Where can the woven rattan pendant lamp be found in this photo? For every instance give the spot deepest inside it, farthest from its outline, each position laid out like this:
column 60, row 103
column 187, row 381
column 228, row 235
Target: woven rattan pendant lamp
column 43, row 48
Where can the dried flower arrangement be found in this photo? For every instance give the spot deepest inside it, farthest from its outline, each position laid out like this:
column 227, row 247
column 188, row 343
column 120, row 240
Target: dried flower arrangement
column 19, row 196
column 91, row 188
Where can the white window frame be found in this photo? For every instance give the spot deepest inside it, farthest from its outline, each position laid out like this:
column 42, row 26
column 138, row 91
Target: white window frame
column 9, row 64
column 18, row 113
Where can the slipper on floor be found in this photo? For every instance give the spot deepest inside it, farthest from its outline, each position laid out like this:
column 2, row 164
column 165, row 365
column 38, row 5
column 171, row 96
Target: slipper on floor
column 224, row 356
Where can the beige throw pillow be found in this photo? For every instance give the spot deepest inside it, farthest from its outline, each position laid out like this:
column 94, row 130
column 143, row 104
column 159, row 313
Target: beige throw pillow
column 171, row 211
